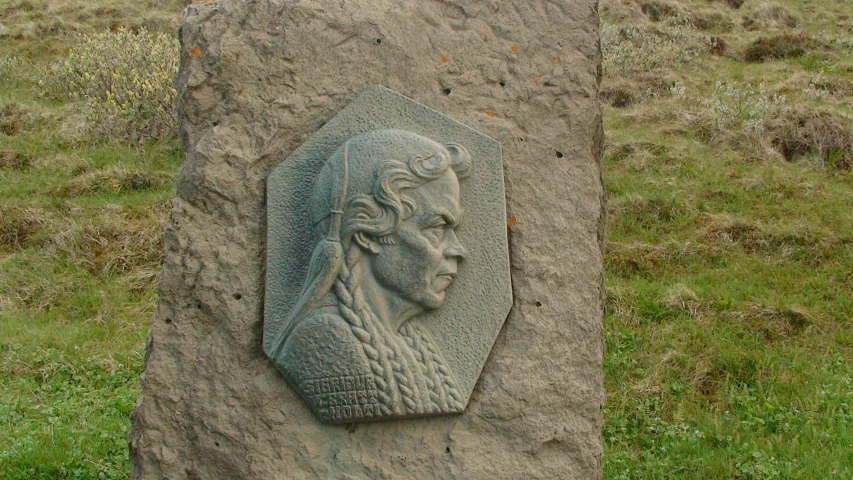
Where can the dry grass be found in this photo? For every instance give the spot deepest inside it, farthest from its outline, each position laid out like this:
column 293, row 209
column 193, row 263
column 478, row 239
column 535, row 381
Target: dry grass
column 15, row 118
column 712, row 20
column 776, row 323
column 645, row 259
column 123, row 240
column 113, row 180
column 767, row 16
column 819, row 86
column 46, row 27
column 822, row 137
column 801, row 243
column 21, row 227
column 12, row 160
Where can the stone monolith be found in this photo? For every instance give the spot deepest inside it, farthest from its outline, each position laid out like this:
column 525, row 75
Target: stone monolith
column 258, row 80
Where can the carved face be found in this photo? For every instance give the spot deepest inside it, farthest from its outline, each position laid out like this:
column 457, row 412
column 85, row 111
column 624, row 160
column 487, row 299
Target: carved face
column 422, row 260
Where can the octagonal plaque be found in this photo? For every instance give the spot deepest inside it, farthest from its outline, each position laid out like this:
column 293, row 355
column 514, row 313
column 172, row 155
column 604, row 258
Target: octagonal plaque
column 387, row 276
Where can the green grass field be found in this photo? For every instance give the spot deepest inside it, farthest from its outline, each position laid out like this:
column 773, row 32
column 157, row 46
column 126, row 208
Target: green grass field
column 728, row 165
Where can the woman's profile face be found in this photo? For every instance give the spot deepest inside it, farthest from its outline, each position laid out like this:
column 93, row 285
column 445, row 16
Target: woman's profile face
column 421, row 260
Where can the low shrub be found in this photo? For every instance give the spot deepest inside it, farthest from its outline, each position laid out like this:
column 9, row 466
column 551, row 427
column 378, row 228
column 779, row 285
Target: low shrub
column 712, row 20
column 628, row 51
column 657, row 11
column 742, row 106
column 717, row 46
column 125, row 80
column 781, row 46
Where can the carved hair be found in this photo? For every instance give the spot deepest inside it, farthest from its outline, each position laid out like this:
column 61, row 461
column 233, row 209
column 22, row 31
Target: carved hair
column 379, row 212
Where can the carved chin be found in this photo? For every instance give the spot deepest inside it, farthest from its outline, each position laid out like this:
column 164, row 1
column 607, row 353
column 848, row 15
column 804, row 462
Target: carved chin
column 433, row 302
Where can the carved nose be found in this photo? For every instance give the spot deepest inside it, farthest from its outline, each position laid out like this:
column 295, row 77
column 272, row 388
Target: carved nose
column 454, row 248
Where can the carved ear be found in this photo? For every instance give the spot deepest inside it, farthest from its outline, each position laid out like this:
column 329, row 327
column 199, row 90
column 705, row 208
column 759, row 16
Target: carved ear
column 365, row 242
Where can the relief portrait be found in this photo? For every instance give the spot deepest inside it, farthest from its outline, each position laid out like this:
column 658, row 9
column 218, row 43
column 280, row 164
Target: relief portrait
column 387, row 276
column 384, row 211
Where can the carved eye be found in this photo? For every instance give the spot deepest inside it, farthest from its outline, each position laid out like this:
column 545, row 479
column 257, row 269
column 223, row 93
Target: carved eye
column 435, row 231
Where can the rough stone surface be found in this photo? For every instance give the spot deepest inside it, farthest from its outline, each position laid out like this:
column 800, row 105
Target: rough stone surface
column 257, row 79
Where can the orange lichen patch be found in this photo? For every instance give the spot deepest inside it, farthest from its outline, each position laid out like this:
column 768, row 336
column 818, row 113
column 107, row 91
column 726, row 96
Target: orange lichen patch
column 538, row 78
column 195, row 52
column 514, row 47
column 491, row 113
column 445, row 58
column 227, row 59
column 511, row 222
column 557, row 59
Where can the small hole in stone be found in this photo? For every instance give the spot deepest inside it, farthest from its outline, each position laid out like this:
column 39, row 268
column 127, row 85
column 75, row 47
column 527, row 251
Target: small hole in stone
column 503, row 84
column 237, row 296
column 378, row 41
column 447, row 450
column 538, row 304
column 168, row 321
column 559, row 154
column 216, row 443
column 198, row 305
column 446, row 91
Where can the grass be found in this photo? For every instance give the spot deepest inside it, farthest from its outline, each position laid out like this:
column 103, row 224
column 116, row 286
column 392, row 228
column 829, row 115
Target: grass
column 727, row 331
column 80, row 248
column 79, row 258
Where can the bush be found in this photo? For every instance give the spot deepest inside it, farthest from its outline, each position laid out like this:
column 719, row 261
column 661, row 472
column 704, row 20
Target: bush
column 628, row 51
column 125, row 80
column 737, row 106
column 712, row 20
column 781, row 46
column 657, row 11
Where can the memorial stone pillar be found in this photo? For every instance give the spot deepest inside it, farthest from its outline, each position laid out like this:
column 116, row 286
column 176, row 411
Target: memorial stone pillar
column 311, row 326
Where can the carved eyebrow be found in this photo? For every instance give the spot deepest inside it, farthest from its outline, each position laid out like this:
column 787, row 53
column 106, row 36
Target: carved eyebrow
column 449, row 218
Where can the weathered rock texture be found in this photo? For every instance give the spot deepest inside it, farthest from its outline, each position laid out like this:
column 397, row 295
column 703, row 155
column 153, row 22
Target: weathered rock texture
column 258, row 78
